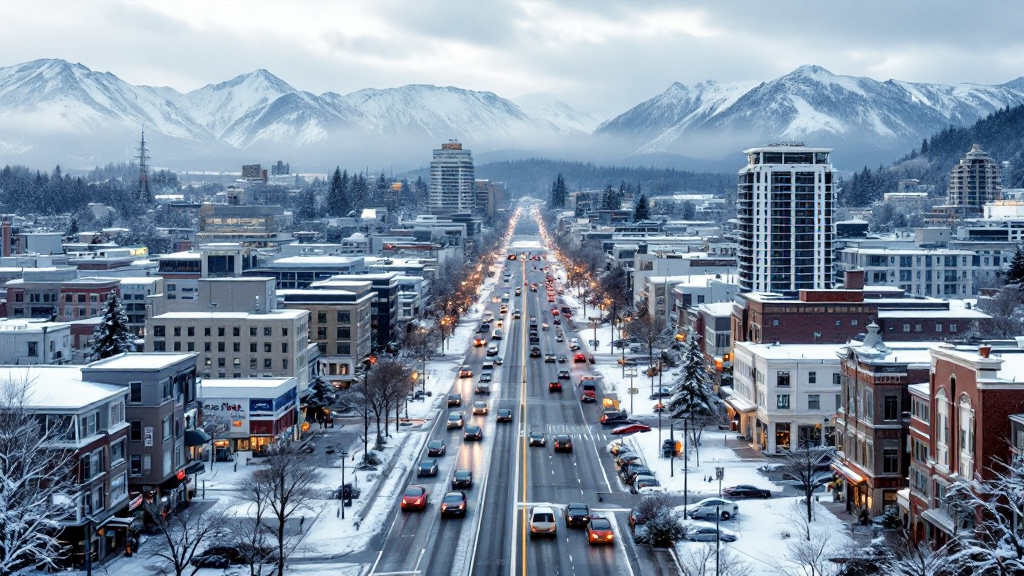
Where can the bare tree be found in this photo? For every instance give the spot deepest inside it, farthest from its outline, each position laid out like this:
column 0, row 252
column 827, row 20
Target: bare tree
column 254, row 536
column 991, row 540
column 421, row 342
column 1007, row 311
column 38, row 483
column 284, row 485
column 181, row 534
column 810, row 557
column 651, row 331
column 701, row 560
column 907, row 558
column 805, row 467
column 386, row 385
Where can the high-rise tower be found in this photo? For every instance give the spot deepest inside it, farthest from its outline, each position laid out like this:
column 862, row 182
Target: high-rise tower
column 451, row 180
column 974, row 182
column 784, row 207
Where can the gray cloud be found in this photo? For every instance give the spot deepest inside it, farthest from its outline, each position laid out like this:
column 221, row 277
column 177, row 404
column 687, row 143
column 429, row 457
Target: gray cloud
column 601, row 55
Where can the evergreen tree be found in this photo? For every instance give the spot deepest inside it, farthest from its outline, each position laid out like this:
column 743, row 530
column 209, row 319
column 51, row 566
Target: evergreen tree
column 73, row 228
column 338, row 203
column 359, row 192
column 924, row 146
column 692, row 399
column 306, row 208
column 422, row 190
column 642, row 212
column 558, row 193
column 113, row 335
column 381, row 189
column 1016, row 273
column 609, row 199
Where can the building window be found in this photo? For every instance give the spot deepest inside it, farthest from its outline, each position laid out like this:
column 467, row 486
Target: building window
column 220, row 331
column 284, row 347
column 321, row 317
column 268, row 363
column 890, row 461
column 812, row 377
column 206, row 332
column 135, row 431
column 220, row 347
column 236, row 346
column 191, row 347
column 159, row 331
column 191, row 331
column 919, row 409
column 284, row 364
column 117, row 452
column 920, row 451
column 252, row 331
column 135, row 466
column 952, row 328
column 268, row 347
column 252, row 363
column 966, row 443
column 177, row 346
column 284, row 331
column 814, row 402
column 159, row 346
column 165, row 427
column 941, row 429
column 836, row 379
column 344, row 317
column 782, row 379
column 938, row 327
column 890, row 408
column 135, row 392
column 782, row 401
column 252, row 347
column 268, row 331
column 177, row 331
column 207, row 347
column 906, row 327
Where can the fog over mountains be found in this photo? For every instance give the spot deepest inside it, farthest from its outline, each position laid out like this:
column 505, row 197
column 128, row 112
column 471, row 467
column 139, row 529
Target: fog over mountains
column 52, row 111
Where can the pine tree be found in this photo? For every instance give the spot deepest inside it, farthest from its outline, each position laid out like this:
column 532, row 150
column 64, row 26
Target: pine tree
column 642, row 212
column 924, row 146
column 558, row 193
column 359, row 192
column 1016, row 273
column 73, row 228
column 693, row 400
column 338, row 203
column 306, row 208
column 113, row 335
column 608, row 199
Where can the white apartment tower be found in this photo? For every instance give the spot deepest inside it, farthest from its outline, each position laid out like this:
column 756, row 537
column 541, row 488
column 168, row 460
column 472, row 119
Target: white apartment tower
column 451, row 180
column 784, row 227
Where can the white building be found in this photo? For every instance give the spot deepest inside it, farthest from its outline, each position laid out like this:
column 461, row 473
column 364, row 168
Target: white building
column 451, row 180
column 247, row 415
column 27, row 341
column 944, row 273
column 794, row 388
column 784, row 214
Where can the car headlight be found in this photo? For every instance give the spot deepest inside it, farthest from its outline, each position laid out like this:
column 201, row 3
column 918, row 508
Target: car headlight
column 608, row 537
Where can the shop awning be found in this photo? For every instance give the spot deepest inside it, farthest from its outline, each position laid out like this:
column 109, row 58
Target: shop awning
column 115, row 522
column 847, row 473
column 197, row 467
column 739, row 403
column 196, row 438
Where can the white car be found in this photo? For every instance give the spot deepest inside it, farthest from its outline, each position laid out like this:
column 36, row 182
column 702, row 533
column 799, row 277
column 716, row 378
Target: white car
column 709, row 508
column 492, row 350
column 542, row 522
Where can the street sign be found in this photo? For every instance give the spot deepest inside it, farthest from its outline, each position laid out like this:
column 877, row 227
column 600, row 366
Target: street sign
column 719, row 473
column 632, row 390
column 630, row 372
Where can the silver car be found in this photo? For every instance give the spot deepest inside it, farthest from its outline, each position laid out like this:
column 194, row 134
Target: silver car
column 709, row 508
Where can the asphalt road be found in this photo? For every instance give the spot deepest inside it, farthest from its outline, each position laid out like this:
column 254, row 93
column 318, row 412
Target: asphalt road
column 509, row 477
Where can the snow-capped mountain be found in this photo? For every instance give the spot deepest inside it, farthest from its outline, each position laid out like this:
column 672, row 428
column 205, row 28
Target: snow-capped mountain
column 550, row 108
column 811, row 104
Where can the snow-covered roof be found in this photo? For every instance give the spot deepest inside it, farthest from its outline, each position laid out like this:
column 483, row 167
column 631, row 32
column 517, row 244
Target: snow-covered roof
column 955, row 313
column 314, row 261
column 718, row 309
column 60, row 387
column 142, row 360
column 817, row 352
column 29, row 325
column 181, row 256
column 278, row 314
column 923, row 389
column 222, row 387
column 1013, row 367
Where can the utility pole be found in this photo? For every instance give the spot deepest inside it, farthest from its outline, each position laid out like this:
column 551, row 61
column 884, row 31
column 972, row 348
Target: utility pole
column 143, row 171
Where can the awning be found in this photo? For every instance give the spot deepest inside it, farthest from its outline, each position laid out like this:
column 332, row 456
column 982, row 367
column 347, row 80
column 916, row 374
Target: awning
column 939, row 519
column 115, row 522
column 196, row 438
column 847, row 473
column 739, row 403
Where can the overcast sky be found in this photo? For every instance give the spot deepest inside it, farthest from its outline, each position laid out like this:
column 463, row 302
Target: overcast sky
column 602, row 56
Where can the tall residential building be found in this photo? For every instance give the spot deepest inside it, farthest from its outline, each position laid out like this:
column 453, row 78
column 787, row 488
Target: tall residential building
column 451, row 180
column 784, row 219
column 974, row 182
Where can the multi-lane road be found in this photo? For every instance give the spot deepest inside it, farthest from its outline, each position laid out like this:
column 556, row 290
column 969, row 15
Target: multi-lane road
column 509, row 476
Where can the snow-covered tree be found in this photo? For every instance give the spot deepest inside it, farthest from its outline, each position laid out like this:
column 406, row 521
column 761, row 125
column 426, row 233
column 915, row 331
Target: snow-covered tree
column 181, row 534
column 338, row 202
column 285, row 486
column 693, row 400
column 805, row 466
column 38, row 484
column 558, row 193
column 643, row 211
column 995, row 544
column 1015, row 275
column 113, row 335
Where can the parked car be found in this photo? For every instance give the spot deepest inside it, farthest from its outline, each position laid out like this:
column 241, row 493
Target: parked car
column 630, row 473
column 746, row 491
column 627, row 458
column 700, row 532
column 632, row 428
column 661, row 392
column 709, row 508
column 643, row 481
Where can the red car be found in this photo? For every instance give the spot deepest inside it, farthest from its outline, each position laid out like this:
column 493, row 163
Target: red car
column 579, row 357
column 599, row 531
column 631, row 429
column 414, row 498
column 554, row 387
column 554, row 312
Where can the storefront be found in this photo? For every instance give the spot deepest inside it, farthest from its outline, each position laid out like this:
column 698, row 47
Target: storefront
column 741, row 412
column 248, row 415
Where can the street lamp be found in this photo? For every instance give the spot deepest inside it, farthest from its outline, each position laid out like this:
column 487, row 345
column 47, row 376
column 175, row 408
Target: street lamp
column 368, row 363
column 344, row 455
column 86, row 513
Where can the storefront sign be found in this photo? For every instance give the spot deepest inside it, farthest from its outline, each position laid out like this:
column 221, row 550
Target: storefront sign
column 232, row 414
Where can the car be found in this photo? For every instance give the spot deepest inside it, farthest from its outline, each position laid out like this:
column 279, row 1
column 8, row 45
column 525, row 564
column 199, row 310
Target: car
column 462, row 478
column 661, row 392
column 710, row 508
column 519, row 291
column 517, row 314
column 497, row 334
column 563, row 443
column 212, row 558
column 486, row 376
column 576, row 514
column 535, row 352
column 482, row 388
column 483, row 328
column 631, row 428
column 599, row 531
column 504, row 309
column 492, row 350
column 636, row 518
column 534, row 338
column 559, row 338
column 579, row 357
column 504, row 414
column 473, row 432
column 454, row 504
column 542, row 522
column 500, row 323
column 746, row 491
column 554, row 312
column 455, row 420
column 558, row 321
column 563, row 375
column 643, row 481
column 498, row 361
column 618, row 448
column 574, row 343
column 551, row 298
column 555, row 386
column 465, row 371
column 478, row 342
column 487, row 366
column 428, row 467
column 538, row 439
column 479, row 407
column 562, row 359
column 435, row 448
column 454, row 400
column 533, row 319
column 699, row 532
column 630, row 473
column 614, row 418
column 415, row 498
column 627, row 458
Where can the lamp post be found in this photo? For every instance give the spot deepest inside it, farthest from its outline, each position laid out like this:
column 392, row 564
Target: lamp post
column 344, row 455
column 87, row 509
column 369, row 362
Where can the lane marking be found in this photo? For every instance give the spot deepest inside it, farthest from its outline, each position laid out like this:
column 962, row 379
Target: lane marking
column 379, row 554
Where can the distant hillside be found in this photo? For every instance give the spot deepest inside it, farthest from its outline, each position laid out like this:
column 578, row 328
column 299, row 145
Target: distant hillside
column 533, row 177
column 999, row 134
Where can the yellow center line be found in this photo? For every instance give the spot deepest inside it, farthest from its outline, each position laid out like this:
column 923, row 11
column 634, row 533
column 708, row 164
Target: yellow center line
column 522, row 402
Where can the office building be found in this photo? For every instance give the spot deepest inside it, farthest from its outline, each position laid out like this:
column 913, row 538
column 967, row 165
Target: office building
column 974, row 182
column 452, row 187
column 784, row 219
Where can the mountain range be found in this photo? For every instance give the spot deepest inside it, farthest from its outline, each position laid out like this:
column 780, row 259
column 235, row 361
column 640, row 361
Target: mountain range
column 53, row 111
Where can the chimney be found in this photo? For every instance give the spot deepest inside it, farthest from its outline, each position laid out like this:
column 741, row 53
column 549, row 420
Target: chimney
column 5, row 231
column 854, row 280
column 984, row 351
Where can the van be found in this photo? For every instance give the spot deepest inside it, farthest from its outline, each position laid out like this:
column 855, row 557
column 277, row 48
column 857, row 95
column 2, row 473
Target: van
column 542, row 522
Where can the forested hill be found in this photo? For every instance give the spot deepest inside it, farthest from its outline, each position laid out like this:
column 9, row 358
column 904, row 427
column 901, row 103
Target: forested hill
column 1001, row 134
column 533, row 177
